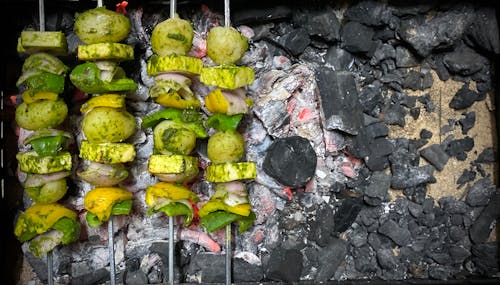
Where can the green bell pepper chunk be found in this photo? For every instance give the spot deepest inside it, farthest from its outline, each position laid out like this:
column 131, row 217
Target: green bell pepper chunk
column 190, row 119
column 87, row 77
column 218, row 219
column 122, row 208
column 175, row 209
column 38, row 81
column 223, row 122
column 49, row 145
column 70, row 228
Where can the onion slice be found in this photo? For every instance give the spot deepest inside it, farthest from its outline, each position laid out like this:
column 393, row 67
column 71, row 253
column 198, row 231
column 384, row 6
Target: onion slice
column 46, row 133
column 103, row 175
column 37, row 180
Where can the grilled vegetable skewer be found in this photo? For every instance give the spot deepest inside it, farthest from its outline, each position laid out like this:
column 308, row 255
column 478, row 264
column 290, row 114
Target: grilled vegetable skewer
column 106, row 124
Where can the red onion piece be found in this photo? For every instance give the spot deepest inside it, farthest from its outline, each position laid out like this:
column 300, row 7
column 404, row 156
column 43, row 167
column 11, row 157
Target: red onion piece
column 37, row 180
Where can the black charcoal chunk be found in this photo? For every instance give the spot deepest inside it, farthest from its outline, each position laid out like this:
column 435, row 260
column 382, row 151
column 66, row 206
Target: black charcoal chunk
column 464, row 98
column 426, row 34
column 427, row 102
column 339, row 58
column 209, row 266
column 346, row 214
column 413, row 80
column 439, row 272
column 379, row 242
column 246, row 272
column 415, row 209
column 458, row 254
column 136, row 277
column 335, row 252
column 322, row 227
column 377, row 190
column 452, row 205
column 425, row 134
column 427, row 80
column 358, row 235
column 401, row 236
column 291, row 161
column 384, row 35
column 480, row 192
column 364, row 260
column 323, row 24
column 340, row 106
column 486, row 156
column 395, row 115
column 405, row 58
column 386, row 259
column 485, row 257
column 459, row 147
column 95, row 277
column 283, row 265
column 383, row 52
column 467, row 122
column 376, row 130
column 483, row 31
column 456, row 233
column 261, row 15
column 481, row 228
column 435, row 155
column 466, row 176
column 405, row 175
column 358, row 38
column 296, row 41
column 464, row 61
column 371, row 13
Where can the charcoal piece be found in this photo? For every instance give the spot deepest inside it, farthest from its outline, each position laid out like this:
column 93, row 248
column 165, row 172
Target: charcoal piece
column 427, row 80
column 246, row 272
column 480, row 230
column 456, row 233
column 386, row 259
column 358, row 38
column 137, row 277
column 485, row 257
column 428, row 205
column 439, row 272
column 370, row 120
column 261, row 15
column 370, row 97
column 321, row 228
column 369, row 215
column 321, row 23
column 464, row 61
column 413, row 80
column 380, row 147
column 415, row 113
column 466, row 176
column 340, row 106
column 339, row 58
column 201, row 265
column 291, row 161
column 458, row 254
column 409, row 101
column 384, row 35
column 435, row 155
column 346, row 214
column 456, row 220
column 486, row 156
column 376, row 163
column 401, row 236
column 459, row 147
column 405, row 58
column 479, row 193
column 395, row 115
column 383, row 52
column 467, row 122
column 358, row 236
column 364, row 261
column 379, row 242
column 376, row 130
column 94, row 277
column 415, row 194
column 405, row 176
column 436, row 62
column 371, row 13
column 483, row 31
column 439, row 32
column 415, row 209
column 440, row 257
column 377, row 189
column 273, row 116
column 464, row 98
column 425, row 134
column 334, row 252
column 284, row 265
column 452, row 206
column 295, row 41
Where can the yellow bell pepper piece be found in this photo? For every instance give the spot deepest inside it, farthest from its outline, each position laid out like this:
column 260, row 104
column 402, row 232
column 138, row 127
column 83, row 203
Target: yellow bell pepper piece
column 40, row 218
column 170, row 191
column 29, row 97
column 216, row 102
column 218, row 205
column 101, row 200
column 105, row 100
column 174, row 100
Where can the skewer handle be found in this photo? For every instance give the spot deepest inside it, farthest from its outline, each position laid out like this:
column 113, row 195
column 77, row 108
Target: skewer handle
column 50, row 268
column 228, row 254
column 170, row 250
column 173, row 5
column 41, row 14
column 111, row 248
column 99, row 3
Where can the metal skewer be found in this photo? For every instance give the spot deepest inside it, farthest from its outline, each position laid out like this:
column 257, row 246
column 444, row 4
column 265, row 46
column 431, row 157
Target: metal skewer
column 111, row 248
column 227, row 23
column 171, row 241
column 50, row 257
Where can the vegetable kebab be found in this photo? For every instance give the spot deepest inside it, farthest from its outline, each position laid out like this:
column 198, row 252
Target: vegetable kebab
column 45, row 157
column 227, row 103
column 106, row 123
column 179, row 124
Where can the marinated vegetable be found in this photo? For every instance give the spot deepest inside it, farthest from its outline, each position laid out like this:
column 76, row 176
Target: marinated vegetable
column 100, row 25
column 102, row 202
column 173, row 36
column 226, row 146
column 106, row 124
column 225, row 45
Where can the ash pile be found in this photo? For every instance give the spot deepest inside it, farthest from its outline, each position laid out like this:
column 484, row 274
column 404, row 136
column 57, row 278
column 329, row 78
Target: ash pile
column 353, row 125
